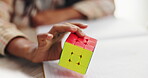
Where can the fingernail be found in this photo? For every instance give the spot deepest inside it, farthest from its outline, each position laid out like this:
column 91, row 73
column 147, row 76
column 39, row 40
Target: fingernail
column 85, row 24
column 49, row 36
column 74, row 28
column 83, row 34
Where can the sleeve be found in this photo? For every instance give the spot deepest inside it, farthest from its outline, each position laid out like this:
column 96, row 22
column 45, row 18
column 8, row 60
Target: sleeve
column 93, row 9
column 8, row 31
column 5, row 10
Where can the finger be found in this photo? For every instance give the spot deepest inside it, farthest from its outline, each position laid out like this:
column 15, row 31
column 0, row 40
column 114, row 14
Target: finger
column 60, row 28
column 79, row 31
column 44, row 38
column 83, row 26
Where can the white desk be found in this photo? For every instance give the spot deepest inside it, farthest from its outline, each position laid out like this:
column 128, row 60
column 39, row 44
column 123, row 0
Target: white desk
column 121, row 51
column 107, row 28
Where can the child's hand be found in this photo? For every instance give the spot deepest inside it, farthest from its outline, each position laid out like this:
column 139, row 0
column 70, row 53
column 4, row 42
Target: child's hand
column 49, row 44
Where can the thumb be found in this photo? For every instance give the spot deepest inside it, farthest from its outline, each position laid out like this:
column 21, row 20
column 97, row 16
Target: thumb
column 44, row 38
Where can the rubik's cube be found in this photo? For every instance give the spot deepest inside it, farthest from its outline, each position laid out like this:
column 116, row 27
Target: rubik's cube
column 77, row 53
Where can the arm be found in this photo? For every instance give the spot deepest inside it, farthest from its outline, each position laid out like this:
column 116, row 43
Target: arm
column 55, row 16
column 8, row 31
column 93, row 9
column 85, row 9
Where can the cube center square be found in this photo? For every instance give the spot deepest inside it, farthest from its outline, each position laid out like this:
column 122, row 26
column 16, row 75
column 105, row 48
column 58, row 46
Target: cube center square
column 77, row 53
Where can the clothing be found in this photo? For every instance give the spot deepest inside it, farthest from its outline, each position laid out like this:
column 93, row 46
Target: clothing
column 92, row 9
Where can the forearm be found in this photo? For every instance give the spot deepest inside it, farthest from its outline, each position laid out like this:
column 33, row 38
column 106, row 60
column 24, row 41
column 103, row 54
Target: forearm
column 55, row 16
column 71, row 13
column 21, row 47
column 93, row 9
column 11, row 39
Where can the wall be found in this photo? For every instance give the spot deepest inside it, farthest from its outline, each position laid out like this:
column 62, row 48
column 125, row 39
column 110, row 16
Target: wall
column 132, row 10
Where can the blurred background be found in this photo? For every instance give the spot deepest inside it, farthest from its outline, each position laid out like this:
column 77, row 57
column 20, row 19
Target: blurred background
column 132, row 10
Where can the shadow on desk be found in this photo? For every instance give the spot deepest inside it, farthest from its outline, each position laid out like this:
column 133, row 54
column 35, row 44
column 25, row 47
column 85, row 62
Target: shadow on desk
column 15, row 64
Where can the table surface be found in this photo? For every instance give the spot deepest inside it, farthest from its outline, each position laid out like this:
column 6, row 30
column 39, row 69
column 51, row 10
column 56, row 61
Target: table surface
column 104, row 30
column 121, row 51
